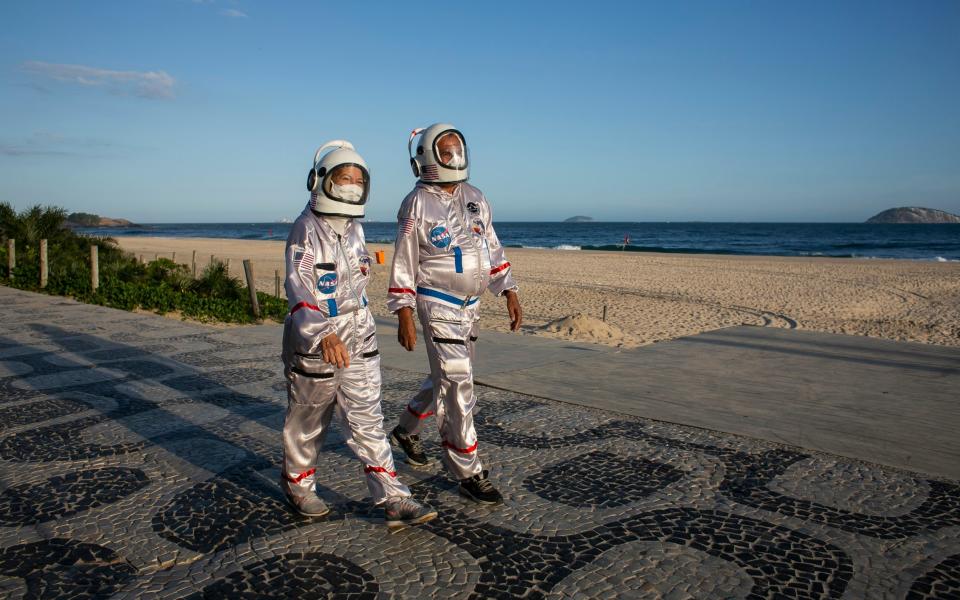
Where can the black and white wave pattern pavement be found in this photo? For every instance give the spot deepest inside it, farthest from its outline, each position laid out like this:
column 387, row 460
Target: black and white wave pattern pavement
column 139, row 459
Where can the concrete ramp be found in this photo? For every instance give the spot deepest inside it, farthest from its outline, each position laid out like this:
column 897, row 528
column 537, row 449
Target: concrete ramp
column 880, row 401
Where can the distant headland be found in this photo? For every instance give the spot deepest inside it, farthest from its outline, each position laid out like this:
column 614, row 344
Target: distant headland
column 578, row 219
column 914, row 214
column 79, row 219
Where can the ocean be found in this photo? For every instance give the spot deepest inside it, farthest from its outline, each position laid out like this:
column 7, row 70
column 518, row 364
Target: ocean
column 935, row 242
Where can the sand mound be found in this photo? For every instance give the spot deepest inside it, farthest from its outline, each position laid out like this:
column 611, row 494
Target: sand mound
column 583, row 328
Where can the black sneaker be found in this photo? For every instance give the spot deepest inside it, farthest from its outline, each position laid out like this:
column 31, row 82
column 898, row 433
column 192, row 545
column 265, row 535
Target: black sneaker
column 479, row 489
column 402, row 512
column 411, row 446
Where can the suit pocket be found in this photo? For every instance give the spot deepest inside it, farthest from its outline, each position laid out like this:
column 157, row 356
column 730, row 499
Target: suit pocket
column 311, row 366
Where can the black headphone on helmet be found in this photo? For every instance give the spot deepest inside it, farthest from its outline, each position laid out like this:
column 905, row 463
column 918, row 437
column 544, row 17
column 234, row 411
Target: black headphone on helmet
column 413, row 161
column 314, row 177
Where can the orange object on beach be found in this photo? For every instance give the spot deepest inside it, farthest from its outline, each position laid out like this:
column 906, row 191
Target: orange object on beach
column 381, row 257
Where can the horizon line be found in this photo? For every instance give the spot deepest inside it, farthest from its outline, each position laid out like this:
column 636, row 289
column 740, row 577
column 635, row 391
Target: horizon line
column 247, row 222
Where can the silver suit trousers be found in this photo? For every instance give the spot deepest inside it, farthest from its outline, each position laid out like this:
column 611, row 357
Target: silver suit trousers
column 316, row 390
column 450, row 336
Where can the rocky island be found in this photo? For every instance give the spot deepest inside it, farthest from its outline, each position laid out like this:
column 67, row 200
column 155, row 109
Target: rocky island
column 78, row 219
column 913, row 214
column 578, row 219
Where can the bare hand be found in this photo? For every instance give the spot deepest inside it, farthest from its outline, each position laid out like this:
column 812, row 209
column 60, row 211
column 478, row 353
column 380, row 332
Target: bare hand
column 334, row 352
column 407, row 331
column 514, row 310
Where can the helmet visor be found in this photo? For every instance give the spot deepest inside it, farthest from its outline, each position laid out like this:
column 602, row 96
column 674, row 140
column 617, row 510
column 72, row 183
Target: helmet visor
column 450, row 150
column 347, row 183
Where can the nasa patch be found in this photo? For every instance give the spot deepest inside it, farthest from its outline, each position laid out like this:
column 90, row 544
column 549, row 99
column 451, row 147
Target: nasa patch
column 478, row 227
column 364, row 265
column 327, row 283
column 440, row 237
column 473, row 207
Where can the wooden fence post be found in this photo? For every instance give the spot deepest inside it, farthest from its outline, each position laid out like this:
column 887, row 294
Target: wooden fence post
column 94, row 267
column 11, row 257
column 211, row 260
column 174, row 259
column 248, row 269
column 43, row 263
column 193, row 262
column 276, row 282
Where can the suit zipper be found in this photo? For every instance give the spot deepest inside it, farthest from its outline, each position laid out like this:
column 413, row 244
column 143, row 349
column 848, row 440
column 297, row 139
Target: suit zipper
column 458, row 211
column 343, row 253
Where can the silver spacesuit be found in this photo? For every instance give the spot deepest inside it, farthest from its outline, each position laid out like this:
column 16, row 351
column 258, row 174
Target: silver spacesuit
column 327, row 275
column 447, row 253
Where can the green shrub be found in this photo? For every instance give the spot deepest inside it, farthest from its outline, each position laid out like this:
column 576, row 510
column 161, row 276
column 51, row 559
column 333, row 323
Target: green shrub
column 216, row 282
column 163, row 269
column 161, row 286
column 32, row 225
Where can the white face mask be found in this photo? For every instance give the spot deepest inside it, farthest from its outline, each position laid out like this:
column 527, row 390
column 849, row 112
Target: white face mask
column 457, row 162
column 350, row 192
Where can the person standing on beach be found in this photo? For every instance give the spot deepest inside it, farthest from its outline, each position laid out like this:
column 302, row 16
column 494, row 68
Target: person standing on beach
column 330, row 356
column 447, row 253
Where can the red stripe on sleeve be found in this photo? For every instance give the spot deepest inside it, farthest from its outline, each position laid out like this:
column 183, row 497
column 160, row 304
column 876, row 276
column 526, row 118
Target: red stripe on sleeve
column 303, row 305
column 500, row 268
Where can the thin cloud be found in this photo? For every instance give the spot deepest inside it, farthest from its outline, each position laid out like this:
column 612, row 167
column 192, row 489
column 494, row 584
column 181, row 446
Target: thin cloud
column 45, row 143
column 14, row 150
column 156, row 85
column 234, row 13
column 36, row 86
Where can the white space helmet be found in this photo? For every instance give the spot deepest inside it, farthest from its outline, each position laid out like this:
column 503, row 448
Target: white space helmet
column 339, row 182
column 441, row 154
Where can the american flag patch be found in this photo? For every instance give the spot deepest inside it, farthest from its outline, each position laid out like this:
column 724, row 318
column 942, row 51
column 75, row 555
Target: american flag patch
column 430, row 173
column 303, row 261
column 313, row 201
column 406, row 226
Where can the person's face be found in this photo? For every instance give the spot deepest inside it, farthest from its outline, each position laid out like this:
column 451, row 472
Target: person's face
column 449, row 145
column 348, row 175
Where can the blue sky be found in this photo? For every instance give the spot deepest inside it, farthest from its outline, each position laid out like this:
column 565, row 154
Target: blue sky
column 189, row 111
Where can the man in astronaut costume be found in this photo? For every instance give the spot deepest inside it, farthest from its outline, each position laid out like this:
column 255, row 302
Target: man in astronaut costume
column 447, row 253
column 330, row 355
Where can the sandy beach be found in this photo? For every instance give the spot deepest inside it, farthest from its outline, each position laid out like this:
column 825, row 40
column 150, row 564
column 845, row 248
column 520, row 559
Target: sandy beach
column 656, row 297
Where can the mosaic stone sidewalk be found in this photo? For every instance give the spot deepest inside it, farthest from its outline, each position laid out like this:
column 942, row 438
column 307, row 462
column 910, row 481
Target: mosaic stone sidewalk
column 139, row 459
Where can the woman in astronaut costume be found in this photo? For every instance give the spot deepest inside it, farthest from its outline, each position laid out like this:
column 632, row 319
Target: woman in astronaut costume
column 447, row 254
column 330, row 355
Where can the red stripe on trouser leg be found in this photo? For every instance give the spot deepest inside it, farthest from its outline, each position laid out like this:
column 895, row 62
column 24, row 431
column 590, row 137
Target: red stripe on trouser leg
column 302, row 476
column 401, row 291
column 461, row 450
column 369, row 469
column 429, row 413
